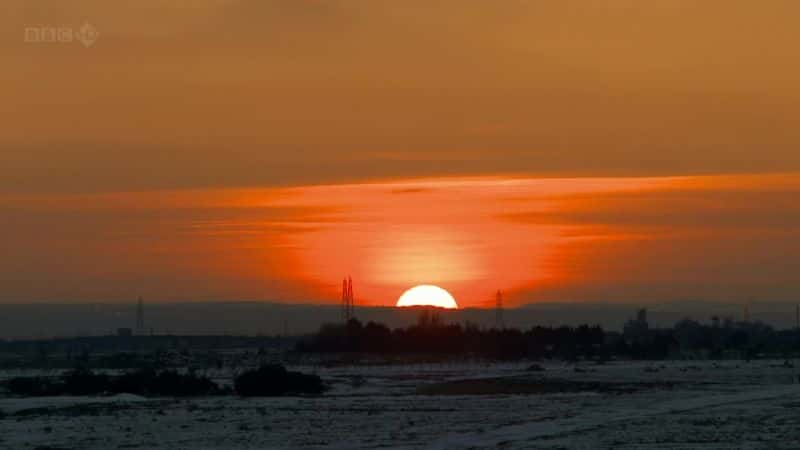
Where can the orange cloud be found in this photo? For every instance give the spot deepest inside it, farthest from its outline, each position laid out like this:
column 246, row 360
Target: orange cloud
column 629, row 239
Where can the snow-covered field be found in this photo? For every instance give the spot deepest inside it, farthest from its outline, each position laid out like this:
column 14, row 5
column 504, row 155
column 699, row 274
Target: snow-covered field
column 682, row 404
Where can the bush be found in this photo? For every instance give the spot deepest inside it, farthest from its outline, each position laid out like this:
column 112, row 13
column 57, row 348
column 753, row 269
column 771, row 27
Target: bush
column 84, row 382
column 33, row 386
column 274, row 380
column 175, row 384
column 133, row 382
column 166, row 383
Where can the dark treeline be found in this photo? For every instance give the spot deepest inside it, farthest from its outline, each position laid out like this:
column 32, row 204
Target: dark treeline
column 153, row 352
column 267, row 380
column 687, row 339
column 147, row 343
column 431, row 336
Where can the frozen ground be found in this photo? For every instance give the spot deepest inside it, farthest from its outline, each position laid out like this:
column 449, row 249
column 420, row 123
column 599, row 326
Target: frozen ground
column 671, row 405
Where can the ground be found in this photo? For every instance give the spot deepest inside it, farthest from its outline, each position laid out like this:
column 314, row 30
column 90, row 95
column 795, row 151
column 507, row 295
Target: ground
column 675, row 405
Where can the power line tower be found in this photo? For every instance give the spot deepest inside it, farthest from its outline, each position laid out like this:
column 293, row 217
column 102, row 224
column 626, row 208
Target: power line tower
column 347, row 299
column 746, row 312
column 140, row 317
column 499, row 321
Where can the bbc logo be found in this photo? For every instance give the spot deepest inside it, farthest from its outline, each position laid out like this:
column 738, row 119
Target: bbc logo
column 86, row 35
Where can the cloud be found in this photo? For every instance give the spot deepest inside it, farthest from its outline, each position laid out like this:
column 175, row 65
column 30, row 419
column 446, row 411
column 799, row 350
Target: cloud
column 221, row 93
column 627, row 239
column 675, row 208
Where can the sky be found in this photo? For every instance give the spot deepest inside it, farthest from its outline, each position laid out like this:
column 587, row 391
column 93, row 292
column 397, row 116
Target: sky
column 590, row 150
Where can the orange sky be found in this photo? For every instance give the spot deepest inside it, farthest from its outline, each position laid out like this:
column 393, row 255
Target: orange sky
column 555, row 239
column 262, row 149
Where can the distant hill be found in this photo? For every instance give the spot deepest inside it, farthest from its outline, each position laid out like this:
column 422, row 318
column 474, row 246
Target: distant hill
column 272, row 318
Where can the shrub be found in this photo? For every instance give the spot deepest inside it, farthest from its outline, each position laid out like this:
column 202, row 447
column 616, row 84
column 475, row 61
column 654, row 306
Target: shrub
column 274, row 380
column 84, row 382
column 133, row 382
column 166, row 383
column 181, row 385
column 33, row 386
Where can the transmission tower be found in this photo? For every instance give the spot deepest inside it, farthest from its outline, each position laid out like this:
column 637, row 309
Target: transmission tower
column 746, row 312
column 499, row 322
column 140, row 317
column 347, row 299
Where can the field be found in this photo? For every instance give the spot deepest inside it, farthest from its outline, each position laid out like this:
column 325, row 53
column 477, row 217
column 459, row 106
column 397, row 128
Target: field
column 647, row 405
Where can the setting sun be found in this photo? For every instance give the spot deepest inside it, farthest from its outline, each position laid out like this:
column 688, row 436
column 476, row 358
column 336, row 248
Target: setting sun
column 427, row 295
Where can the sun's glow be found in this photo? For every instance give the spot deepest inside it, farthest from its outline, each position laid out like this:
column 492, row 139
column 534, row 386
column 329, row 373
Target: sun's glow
column 427, row 295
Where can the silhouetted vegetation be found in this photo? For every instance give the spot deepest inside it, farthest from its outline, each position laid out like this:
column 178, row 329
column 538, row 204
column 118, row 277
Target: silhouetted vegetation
column 33, row 386
column 273, row 380
column 132, row 352
column 85, row 382
column 268, row 380
column 431, row 336
column 164, row 383
column 689, row 338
